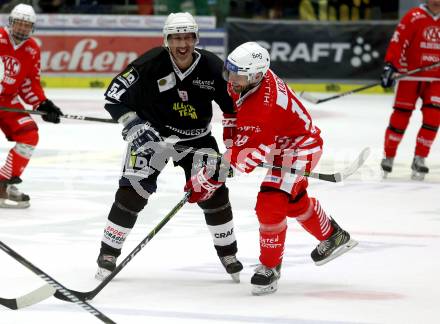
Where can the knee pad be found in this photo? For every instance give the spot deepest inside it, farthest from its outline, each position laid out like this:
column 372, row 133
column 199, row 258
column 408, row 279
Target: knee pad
column 399, row 120
column 28, row 136
column 217, row 209
column 128, row 200
column 300, row 205
column 271, row 207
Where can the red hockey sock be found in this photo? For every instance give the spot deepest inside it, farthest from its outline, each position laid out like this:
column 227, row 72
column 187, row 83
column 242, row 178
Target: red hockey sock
column 272, row 247
column 318, row 223
column 398, row 123
column 428, row 131
column 14, row 166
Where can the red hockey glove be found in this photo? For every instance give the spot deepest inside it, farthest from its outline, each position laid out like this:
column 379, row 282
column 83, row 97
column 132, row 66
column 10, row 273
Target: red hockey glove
column 202, row 186
column 229, row 129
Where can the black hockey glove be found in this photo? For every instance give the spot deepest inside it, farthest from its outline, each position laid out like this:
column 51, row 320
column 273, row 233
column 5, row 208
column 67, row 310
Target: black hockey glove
column 386, row 78
column 139, row 133
column 52, row 112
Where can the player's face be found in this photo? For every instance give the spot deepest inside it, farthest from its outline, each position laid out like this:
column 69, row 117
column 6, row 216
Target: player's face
column 434, row 6
column 182, row 47
column 21, row 30
column 239, row 83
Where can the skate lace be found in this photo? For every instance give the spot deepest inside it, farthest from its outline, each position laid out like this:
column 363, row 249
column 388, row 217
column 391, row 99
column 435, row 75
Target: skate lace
column 229, row 259
column 323, row 247
column 109, row 258
column 264, row 271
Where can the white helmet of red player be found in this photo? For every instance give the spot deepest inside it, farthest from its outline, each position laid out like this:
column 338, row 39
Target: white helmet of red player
column 180, row 23
column 249, row 59
column 22, row 21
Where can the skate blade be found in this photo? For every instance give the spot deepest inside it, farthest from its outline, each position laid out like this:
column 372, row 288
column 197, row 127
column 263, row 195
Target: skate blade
column 102, row 273
column 338, row 252
column 235, row 277
column 7, row 203
column 418, row 176
column 265, row 290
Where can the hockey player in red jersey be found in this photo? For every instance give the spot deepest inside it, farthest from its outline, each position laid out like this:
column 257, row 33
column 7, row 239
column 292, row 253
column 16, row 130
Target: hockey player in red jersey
column 272, row 126
column 20, row 57
column 415, row 43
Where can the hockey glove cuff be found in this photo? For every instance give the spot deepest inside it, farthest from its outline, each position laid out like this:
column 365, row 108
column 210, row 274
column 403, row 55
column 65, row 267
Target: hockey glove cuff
column 387, row 77
column 139, row 133
column 229, row 129
column 202, row 186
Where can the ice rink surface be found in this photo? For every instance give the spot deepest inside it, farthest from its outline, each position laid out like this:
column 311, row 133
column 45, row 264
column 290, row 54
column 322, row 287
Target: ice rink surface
column 392, row 276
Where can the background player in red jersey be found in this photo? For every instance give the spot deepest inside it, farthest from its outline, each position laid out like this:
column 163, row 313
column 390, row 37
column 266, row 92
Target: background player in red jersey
column 273, row 126
column 415, row 43
column 20, row 56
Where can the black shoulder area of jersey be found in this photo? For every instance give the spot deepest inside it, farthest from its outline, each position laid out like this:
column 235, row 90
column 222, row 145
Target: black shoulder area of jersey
column 150, row 57
column 212, row 59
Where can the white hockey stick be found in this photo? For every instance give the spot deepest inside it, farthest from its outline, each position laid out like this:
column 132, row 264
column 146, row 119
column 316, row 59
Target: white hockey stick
column 29, row 299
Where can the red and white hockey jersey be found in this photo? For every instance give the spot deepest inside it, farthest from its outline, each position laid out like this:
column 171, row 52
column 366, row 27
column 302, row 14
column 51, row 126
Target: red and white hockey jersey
column 416, row 42
column 272, row 126
column 22, row 71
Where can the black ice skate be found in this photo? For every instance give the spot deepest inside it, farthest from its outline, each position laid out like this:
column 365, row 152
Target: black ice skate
column 265, row 280
column 387, row 166
column 419, row 169
column 232, row 266
column 106, row 265
column 337, row 244
column 11, row 197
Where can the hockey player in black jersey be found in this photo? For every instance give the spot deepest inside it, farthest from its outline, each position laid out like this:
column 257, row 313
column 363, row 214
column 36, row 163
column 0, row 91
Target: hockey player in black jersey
column 166, row 96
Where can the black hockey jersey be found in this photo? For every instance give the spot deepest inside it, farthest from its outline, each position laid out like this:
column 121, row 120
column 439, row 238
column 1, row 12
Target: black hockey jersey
column 174, row 102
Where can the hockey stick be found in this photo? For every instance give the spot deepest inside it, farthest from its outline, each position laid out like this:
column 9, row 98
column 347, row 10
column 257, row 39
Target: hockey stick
column 89, row 295
column 332, row 177
column 56, row 285
column 36, row 112
column 44, row 292
column 308, row 97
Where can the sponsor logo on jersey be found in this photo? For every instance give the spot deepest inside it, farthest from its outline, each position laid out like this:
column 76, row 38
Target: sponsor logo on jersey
column 167, row 82
column 129, row 77
column 183, row 94
column 185, row 110
column 208, row 85
column 272, row 178
column 30, row 50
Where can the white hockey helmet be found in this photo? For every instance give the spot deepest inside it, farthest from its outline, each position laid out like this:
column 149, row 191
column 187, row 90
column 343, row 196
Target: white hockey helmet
column 180, row 23
column 249, row 59
column 22, row 12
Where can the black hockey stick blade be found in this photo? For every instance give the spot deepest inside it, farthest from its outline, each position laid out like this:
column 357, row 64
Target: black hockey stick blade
column 66, row 116
column 56, row 285
column 29, row 299
column 89, row 295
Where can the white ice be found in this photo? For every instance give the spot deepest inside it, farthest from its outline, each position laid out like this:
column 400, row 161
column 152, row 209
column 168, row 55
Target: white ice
column 390, row 277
